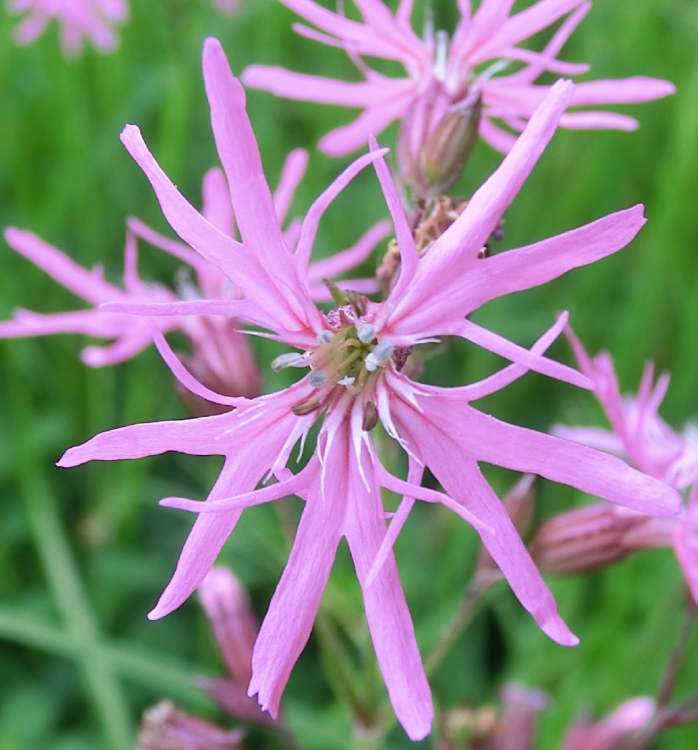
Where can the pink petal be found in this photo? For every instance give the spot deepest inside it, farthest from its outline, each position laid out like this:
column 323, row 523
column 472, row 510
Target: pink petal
column 217, row 208
column 89, row 285
column 558, row 460
column 289, row 620
column 386, row 610
column 322, row 203
column 461, row 244
column 292, row 173
column 461, row 478
column 347, row 260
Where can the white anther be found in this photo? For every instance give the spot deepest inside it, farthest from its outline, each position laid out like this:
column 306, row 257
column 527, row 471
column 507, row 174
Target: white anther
column 365, row 333
column 292, row 359
column 441, row 56
column 347, row 381
column 379, row 356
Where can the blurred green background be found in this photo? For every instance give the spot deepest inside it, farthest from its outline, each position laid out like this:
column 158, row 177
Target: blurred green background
column 84, row 553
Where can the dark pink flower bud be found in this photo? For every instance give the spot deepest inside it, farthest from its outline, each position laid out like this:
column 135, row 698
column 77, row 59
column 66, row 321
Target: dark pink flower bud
column 585, row 539
column 164, row 727
column 628, row 720
column 227, row 607
column 448, row 147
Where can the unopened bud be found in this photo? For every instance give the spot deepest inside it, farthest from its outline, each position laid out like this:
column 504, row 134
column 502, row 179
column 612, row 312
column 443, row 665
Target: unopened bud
column 585, row 539
column 223, row 361
column 449, row 146
column 164, row 727
column 227, row 607
column 612, row 733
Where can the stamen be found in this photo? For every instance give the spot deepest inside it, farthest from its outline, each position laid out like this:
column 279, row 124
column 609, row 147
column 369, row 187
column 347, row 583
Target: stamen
column 292, row 359
column 370, row 417
column 441, row 57
column 365, row 333
column 379, row 356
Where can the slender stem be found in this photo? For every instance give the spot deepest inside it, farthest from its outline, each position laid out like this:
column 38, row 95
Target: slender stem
column 157, row 672
column 455, row 628
column 677, row 658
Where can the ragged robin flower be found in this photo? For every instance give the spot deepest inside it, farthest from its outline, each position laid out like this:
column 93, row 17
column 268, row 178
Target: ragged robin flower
column 354, row 385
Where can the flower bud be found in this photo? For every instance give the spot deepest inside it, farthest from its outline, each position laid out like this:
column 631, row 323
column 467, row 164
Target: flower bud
column 223, row 361
column 164, row 727
column 227, row 607
column 449, row 146
column 612, row 733
column 585, row 539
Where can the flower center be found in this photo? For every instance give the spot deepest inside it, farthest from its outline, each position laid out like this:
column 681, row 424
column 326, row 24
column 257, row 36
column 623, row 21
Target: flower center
column 349, row 356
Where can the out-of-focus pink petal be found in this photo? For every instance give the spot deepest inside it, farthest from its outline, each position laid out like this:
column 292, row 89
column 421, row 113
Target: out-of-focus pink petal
column 621, row 91
column 374, row 119
column 289, row 85
column 217, row 208
column 177, row 249
column 315, row 213
column 598, row 121
column 594, row 437
column 89, row 285
column 346, row 260
column 292, row 173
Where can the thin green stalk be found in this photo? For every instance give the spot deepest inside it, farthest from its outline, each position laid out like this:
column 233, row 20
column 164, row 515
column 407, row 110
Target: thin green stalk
column 53, row 549
column 159, row 673
column 455, row 628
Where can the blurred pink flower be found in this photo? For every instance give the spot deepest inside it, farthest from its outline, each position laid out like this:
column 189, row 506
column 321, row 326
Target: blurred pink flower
column 165, row 727
column 227, row 6
column 612, row 732
column 640, row 435
column 443, row 73
column 227, row 606
column 79, row 20
column 355, row 354
column 220, row 355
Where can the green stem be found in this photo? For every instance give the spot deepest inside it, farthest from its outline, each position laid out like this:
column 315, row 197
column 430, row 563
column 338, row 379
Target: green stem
column 158, row 673
column 455, row 628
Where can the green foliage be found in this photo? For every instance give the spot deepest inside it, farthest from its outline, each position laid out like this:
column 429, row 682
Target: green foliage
column 84, row 553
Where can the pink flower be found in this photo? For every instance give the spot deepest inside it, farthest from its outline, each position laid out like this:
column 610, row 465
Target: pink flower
column 612, row 732
column 165, row 727
column 443, row 74
column 649, row 443
column 220, row 355
column 80, row 20
column 354, row 355
column 227, row 606
column 227, row 6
